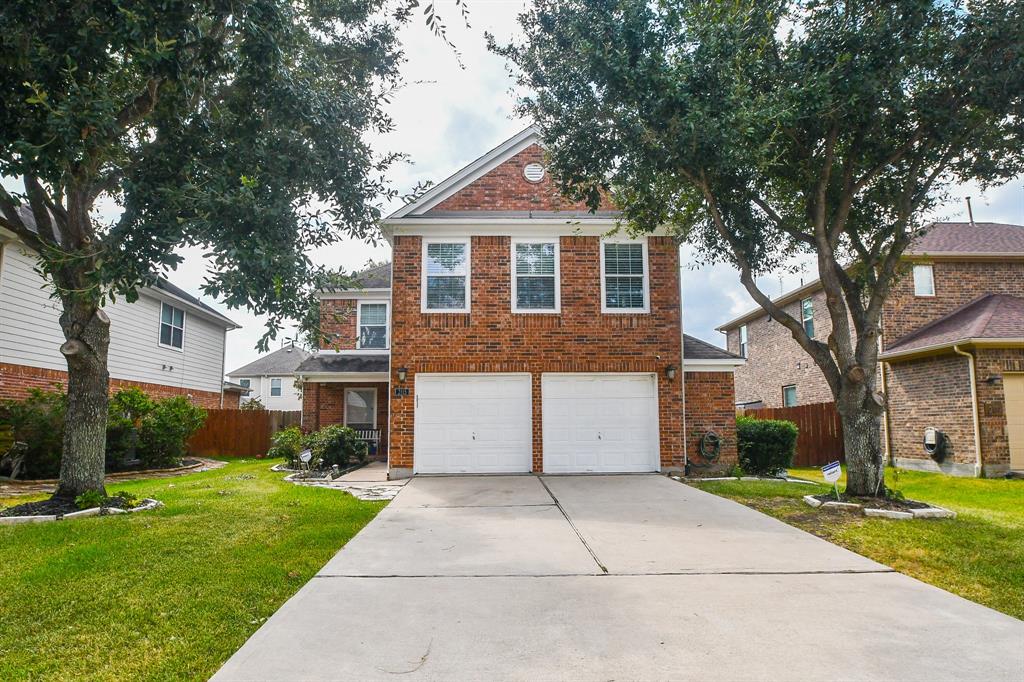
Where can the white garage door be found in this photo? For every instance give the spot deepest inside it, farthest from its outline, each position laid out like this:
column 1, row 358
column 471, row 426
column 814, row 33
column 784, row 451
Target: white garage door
column 477, row 423
column 600, row 422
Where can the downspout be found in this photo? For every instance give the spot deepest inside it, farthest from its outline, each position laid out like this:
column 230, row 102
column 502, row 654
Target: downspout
column 974, row 409
column 682, row 361
column 885, row 410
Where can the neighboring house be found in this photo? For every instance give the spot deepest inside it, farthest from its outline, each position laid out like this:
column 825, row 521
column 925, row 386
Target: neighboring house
column 167, row 342
column 513, row 335
column 233, row 394
column 271, row 379
column 952, row 336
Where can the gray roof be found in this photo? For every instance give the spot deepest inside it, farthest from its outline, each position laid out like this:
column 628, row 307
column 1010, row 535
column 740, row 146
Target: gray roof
column 318, row 364
column 977, row 239
column 695, row 349
column 279, row 363
column 992, row 317
column 376, row 277
column 162, row 284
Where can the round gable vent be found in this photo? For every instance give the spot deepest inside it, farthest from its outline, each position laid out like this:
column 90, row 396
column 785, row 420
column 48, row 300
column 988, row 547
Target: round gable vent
column 534, row 172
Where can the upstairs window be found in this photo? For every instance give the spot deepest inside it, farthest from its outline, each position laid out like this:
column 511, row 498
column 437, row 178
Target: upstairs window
column 807, row 316
column 446, row 276
column 624, row 277
column 172, row 326
column 373, row 325
column 789, row 396
column 275, row 388
column 535, row 286
column 743, row 341
column 245, row 383
column 924, row 280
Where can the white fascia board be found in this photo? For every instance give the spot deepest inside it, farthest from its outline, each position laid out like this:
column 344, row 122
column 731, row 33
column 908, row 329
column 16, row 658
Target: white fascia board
column 355, row 295
column 723, row 365
column 948, row 345
column 515, row 227
column 469, row 173
column 341, row 377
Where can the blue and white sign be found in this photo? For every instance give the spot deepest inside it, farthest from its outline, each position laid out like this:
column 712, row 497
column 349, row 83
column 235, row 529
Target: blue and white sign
column 305, row 456
column 832, row 471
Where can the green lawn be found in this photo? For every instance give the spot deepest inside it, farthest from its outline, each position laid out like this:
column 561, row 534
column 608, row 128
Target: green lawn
column 979, row 555
column 171, row 593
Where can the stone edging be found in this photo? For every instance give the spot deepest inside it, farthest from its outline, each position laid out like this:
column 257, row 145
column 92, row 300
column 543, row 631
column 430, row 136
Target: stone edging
column 930, row 512
column 115, row 476
column 744, row 478
column 146, row 505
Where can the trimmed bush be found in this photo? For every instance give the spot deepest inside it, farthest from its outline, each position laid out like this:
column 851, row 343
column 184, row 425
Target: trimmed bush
column 336, row 445
column 127, row 409
column 38, row 422
column 165, row 431
column 287, row 443
column 766, row 446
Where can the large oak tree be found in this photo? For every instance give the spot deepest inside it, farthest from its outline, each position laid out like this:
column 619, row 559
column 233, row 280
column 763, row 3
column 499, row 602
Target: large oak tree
column 237, row 126
column 762, row 129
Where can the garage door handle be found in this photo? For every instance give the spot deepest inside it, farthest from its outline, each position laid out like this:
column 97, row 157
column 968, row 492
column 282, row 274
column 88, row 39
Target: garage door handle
column 599, row 435
column 474, row 435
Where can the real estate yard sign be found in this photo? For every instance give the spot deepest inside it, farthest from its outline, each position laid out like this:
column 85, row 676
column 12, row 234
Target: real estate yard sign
column 832, row 471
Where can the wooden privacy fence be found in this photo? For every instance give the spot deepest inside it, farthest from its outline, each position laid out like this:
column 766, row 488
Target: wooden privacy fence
column 240, row 433
column 821, row 433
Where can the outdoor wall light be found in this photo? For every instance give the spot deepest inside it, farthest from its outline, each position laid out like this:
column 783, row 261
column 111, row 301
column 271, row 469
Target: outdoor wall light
column 670, row 372
column 402, row 372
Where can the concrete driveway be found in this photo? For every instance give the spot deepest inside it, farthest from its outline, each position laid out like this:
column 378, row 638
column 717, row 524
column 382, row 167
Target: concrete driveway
column 613, row 578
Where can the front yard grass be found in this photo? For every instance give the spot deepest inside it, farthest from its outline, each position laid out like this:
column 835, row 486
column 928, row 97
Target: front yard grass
column 979, row 555
column 170, row 593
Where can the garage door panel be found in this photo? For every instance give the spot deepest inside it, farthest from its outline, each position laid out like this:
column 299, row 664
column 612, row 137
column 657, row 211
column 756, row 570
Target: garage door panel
column 477, row 423
column 600, row 423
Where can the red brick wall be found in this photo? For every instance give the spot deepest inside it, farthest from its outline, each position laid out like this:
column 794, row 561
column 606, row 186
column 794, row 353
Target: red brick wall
column 956, row 283
column 775, row 359
column 580, row 339
column 990, row 365
column 16, row 380
column 506, row 189
column 324, row 404
column 710, row 406
column 338, row 324
column 232, row 400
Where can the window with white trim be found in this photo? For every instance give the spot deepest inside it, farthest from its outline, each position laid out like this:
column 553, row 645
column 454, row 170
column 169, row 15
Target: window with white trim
column 361, row 408
column 446, row 276
column 245, row 383
column 275, row 388
column 172, row 326
column 535, row 286
column 373, row 325
column 924, row 280
column 789, row 396
column 743, row 341
column 624, row 276
column 807, row 316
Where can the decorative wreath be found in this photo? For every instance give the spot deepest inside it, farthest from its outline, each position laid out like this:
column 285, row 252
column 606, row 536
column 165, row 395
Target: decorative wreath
column 710, row 446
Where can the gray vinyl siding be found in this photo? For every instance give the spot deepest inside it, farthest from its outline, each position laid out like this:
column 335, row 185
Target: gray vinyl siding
column 30, row 332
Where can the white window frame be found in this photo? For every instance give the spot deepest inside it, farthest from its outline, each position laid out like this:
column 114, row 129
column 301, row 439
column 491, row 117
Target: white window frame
column 423, row 273
column 280, row 387
column 344, row 405
column 796, row 397
column 160, row 327
column 804, row 319
column 931, row 277
column 744, row 334
column 515, row 277
column 646, row 309
column 245, row 383
column 387, row 322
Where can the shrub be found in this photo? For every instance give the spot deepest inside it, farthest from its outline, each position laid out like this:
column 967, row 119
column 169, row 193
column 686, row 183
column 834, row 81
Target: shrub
column 38, row 422
column 127, row 409
column 252, row 404
column 165, row 431
column 336, row 444
column 287, row 443
column 766, row 446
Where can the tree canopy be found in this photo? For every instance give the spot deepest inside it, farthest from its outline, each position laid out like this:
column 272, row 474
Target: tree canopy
column 761, row 129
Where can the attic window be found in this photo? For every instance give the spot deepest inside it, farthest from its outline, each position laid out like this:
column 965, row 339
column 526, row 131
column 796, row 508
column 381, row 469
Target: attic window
column 533, row 172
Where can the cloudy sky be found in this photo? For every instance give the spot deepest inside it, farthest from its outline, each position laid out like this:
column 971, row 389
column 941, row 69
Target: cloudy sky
column 447, row 116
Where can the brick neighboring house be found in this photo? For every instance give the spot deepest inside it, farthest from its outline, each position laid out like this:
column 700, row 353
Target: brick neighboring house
column 952, row 336
column 167, row 342
column 511, row 334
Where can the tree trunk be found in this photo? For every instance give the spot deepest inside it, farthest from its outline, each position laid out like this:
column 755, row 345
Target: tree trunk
column 87, row 330
column 862, row 440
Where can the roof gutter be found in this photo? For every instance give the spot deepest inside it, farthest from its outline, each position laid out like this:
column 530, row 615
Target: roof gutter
column 925, row 350
column 974, row 408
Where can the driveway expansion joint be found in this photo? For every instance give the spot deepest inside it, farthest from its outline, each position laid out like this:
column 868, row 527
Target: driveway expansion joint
column 607, row 574
column 573, row 526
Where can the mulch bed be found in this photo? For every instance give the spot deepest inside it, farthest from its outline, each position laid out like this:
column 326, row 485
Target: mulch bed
column 56, row 507
column 889, row 503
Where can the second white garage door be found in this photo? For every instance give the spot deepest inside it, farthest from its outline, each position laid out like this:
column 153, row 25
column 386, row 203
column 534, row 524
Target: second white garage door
column 472, row 424
column 600, row 423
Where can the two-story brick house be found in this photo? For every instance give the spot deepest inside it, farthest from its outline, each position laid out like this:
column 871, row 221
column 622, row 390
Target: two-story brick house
column 952, row 336
column 515, row 333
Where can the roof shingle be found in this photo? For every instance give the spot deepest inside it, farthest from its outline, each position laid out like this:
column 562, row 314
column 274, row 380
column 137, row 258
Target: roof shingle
column 281, row 362
column 991, row 317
